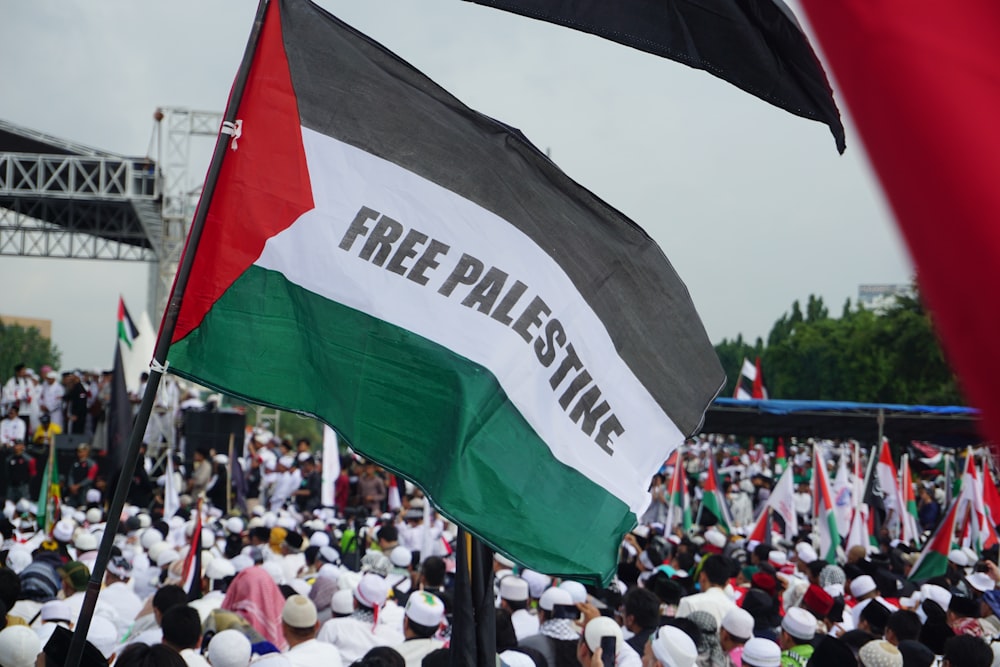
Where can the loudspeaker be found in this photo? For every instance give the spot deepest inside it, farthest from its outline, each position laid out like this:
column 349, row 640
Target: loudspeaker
column 212, row 430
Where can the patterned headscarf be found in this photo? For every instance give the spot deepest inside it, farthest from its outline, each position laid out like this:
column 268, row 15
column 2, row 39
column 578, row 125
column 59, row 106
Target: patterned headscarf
column 254, row 596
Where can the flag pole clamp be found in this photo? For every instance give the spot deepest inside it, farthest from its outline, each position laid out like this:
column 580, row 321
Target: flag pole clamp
column 233, row 128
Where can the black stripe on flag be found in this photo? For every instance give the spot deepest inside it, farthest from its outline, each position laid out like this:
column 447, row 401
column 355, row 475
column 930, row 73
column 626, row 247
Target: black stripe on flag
column 352, row 89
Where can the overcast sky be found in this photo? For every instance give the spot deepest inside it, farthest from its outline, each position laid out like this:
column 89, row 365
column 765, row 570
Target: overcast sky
column 753, row 206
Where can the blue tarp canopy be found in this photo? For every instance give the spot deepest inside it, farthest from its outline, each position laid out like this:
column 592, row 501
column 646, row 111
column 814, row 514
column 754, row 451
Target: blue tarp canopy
column 952, row 426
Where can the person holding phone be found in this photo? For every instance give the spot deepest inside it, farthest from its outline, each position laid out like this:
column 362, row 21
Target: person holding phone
column 602, row 645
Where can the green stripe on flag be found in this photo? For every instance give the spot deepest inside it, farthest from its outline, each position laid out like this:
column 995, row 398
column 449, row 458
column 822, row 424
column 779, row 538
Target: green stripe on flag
column 401, row 399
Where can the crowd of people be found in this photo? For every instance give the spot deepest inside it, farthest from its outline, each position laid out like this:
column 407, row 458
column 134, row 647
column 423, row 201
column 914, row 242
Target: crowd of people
column 283, row 579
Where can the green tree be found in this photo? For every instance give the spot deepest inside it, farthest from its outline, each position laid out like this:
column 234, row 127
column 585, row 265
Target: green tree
column 20, row 345
column 731, row 355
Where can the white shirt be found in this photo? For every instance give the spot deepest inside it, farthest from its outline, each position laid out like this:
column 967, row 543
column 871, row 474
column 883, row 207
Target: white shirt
column 353, row 637
column 525, row 623
column 11, row 430
column 314, row 653
column 194, row 659
column 51, row 400
column 414, row 650
column 125, row 602
column 714, row 601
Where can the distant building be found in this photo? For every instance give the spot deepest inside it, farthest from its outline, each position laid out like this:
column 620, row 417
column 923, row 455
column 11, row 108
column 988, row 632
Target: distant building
column 43, row 326
column 879, row 297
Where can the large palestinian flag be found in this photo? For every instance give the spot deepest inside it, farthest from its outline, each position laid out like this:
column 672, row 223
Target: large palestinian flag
column 423, row 279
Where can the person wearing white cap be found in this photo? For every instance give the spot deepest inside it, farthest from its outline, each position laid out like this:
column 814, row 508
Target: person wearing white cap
column 864, row 590
column 51, row 399
column 299, row 624
column 805, row 553
column 19, row 646
column 712, row 579
column 670, row 647
column 589, row 651
column 364, row 629
column 118, row 595
column 514, row 598
column 760, row 652
column 400, row 577
column 230, row 648
column 556, row 616
column 216, row 579
column 423, row 617
column 735, row 631
column 798, row 628
column 880, row 653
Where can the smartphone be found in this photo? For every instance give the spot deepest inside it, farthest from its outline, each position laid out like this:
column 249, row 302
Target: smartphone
column 609, row 645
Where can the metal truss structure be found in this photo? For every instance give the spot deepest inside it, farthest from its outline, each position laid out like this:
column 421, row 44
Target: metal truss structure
column 62, row 199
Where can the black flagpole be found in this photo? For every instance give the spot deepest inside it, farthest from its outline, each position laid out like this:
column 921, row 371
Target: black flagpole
column 473, row 637
column 157, row 368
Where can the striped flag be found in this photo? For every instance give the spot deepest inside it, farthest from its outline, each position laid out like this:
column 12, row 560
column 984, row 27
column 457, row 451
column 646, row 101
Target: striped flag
column 911, row 519
column 127, row 331
column 888, row 480
column 780, row 457
column 782, row 501
column 475, row 320
column 823, row 510
column 393, row 501
column 191, row 574
column 933, row 560
column 859, row 533
column 50, row 494
column 714, row 500
column 761, row 530
column 678, row 502
column 991, row 495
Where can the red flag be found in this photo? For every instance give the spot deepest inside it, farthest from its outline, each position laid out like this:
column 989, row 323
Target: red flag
column 919, row 79
column 991, row 497
column 759, row 391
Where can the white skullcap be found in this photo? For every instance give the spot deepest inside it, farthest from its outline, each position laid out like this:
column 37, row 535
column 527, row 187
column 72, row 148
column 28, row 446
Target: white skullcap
column 401, row 556
column 739, row 623
column 981, row 581
column 715, row 537
column 342, row 602
column 275, row 571
column 166, row 557
column 537, row 582
column 85, row 541
column 553, row 596
column 880, row 653
column 863, row 585
column 18, row 558
column 777, row 558
column 672, row 647
column 503, row 560
column 515, row 658
column 425, row 609
column 63, row 531
column 514, row 588
column 329, row 555
column 760, row 652
column 372, row 590
column 805, row 552
column 938, row 594
column 220, row 568
column 602, row 626
column 329, row 571
column 234, row 524
column 299, row 612
column 287, row 522
column 241, row 562
column 321, row 539
column 93, row 495
column 94, row 515
column 229, row 648
column 799, row 623
column 57, row 610
column 150, row 536
column 19, row 646
column 577, row 590
column 958, row 557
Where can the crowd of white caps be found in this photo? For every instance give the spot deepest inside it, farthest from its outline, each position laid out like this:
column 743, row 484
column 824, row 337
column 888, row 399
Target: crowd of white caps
column 278, row 588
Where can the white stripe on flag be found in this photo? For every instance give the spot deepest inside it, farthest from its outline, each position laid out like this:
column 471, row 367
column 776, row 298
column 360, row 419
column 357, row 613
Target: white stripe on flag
column 749, row 371
column 347, row 179
column 331, row 466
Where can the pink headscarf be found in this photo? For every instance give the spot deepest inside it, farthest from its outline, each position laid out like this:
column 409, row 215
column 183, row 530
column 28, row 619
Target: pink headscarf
column 255, row 597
